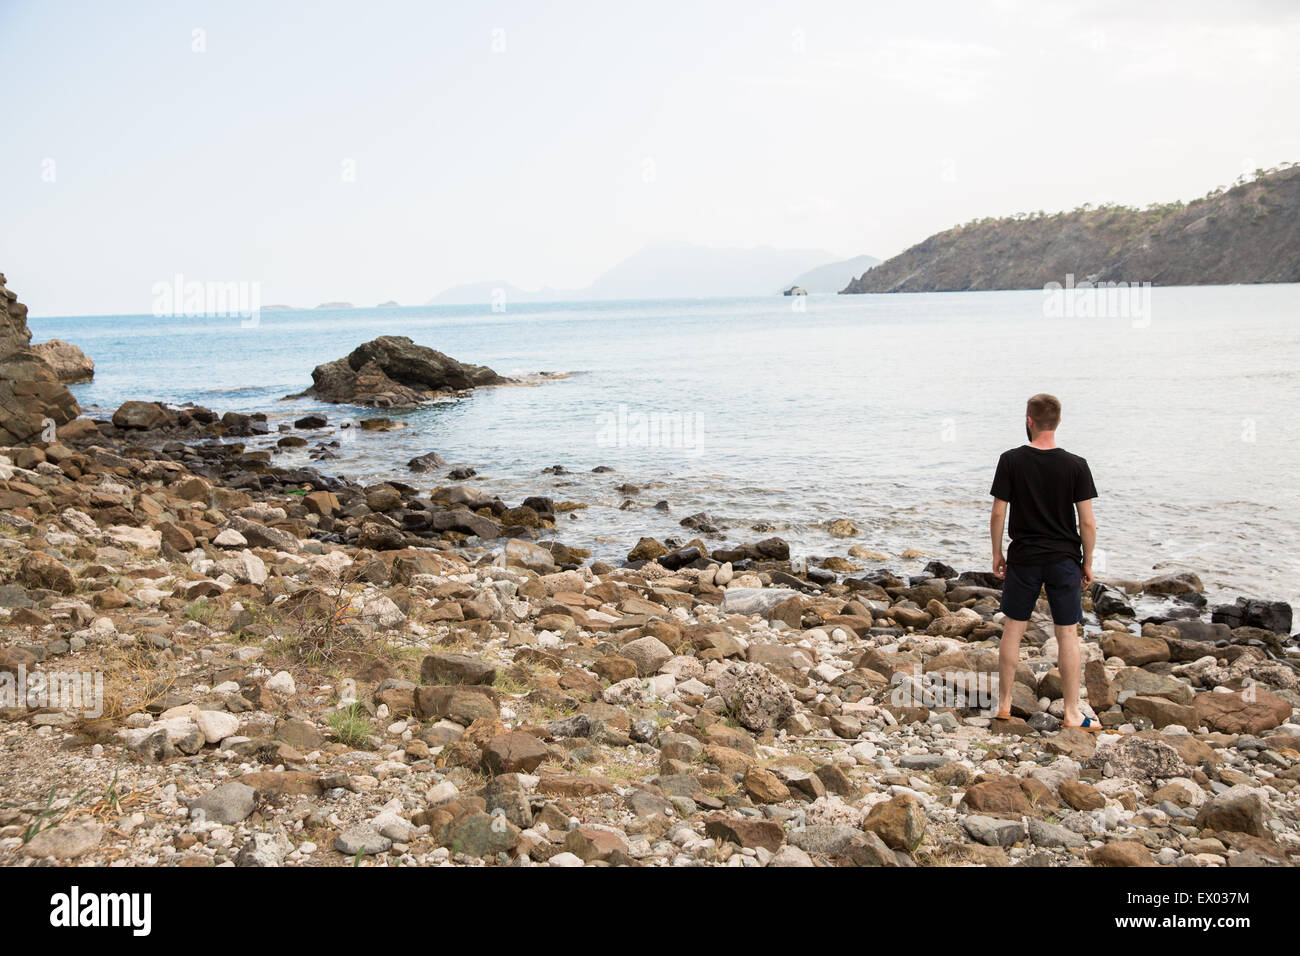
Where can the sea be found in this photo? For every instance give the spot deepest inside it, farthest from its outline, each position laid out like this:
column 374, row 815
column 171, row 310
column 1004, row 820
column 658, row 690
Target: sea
column 778, row 415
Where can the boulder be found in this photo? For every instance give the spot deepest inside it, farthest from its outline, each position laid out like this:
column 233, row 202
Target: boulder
column 450, row 669
column 999, row 796
column 1108, row 602
column 392, row 371
column 1248, row 612
column 757, row 699
column 1250, row 711
column 39, row 570
column 900, row 822
column 142, row 416
column 754, row 600
column 1177, row 583
column 1143, row 759
column 648, row 653
column 1238, row 810
column 513, row 752
column 33, row 402
column 66, row 841
column 69, row 363
column 1132, row 650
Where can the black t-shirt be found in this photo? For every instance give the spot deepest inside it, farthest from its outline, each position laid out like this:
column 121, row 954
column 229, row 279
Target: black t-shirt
column 1042, row 486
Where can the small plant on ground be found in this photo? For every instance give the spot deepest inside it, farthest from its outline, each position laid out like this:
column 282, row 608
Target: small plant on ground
column 352, row 725
column 201, row 610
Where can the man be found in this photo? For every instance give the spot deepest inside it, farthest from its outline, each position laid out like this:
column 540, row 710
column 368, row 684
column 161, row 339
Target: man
column 1045, row 486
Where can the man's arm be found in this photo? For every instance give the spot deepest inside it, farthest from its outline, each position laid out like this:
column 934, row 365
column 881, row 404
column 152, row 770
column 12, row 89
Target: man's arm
column 996, row 522
column 1088, row 532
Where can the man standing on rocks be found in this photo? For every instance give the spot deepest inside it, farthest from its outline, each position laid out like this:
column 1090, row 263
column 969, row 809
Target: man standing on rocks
column 1045, row 486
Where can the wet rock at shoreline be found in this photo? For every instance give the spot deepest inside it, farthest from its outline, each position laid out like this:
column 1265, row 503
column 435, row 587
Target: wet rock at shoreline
column 69, row 363
column 393, row 372
column 33, row 402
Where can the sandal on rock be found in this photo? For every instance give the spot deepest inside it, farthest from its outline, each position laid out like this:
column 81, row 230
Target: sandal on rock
column 1089, row 726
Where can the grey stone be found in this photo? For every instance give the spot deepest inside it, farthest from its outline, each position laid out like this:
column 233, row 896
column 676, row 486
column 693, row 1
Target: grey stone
column 65, row 842
column 823, row 839
column 790, row 856
column 921, row 761
column 648, row 653
column 363, row 838
column 992, row 831
column 1052, row 834
column 228, row 803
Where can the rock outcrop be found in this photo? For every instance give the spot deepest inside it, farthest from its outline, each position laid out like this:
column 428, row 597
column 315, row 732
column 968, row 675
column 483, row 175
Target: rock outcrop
column 1248, row 233
column 31, row 395
column 70, row 364
column 392, row 372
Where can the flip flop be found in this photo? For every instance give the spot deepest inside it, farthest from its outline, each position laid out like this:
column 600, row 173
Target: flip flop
column 1089, row 726
column 1006, row 716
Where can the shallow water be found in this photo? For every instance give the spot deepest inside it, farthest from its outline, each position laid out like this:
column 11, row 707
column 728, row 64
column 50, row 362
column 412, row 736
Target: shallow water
column 889, row 410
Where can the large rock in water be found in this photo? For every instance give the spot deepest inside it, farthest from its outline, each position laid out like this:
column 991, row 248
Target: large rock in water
column 70, row 364
column 31, row 395
column 392, row 371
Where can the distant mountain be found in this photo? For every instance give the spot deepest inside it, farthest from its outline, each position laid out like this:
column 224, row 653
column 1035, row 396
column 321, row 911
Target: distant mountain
column 1247, row 233
column 833, row 276
column 666, row 270
column 479, row 293
column 684, row 270
column 335, row 305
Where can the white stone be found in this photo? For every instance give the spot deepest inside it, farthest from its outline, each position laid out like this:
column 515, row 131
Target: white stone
column 216, row 725
column 378, row 610
column 282, row 683
column 693, row 687
column 143, row 538
column 442, row 792
column 230, row 538
column 660, row 685
column 864, row 751
column 244, row 566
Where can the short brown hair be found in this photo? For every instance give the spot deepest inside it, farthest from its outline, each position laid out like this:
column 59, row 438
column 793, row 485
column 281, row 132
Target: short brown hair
column 1045, row 410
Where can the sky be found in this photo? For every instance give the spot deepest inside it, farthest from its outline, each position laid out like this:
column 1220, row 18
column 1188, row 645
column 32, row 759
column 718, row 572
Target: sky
column 372, row 151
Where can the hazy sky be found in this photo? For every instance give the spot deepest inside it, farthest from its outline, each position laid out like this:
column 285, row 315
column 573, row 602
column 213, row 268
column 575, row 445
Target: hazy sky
column 377, row 150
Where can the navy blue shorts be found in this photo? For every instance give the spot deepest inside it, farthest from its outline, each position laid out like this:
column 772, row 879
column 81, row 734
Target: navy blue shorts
column 1063, row 580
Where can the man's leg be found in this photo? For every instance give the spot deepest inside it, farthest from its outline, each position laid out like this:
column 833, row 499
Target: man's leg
column 1067, row 659
column 1064, row 594
column 1008, row 660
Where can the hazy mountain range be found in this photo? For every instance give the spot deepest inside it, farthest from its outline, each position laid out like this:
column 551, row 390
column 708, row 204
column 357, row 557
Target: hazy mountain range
column 664, row 270
column 831, row 277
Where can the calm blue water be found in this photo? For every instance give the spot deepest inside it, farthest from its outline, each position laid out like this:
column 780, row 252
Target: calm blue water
column 890, row 410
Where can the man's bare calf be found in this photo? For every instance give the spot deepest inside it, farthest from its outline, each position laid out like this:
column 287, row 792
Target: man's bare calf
column 1068, row 660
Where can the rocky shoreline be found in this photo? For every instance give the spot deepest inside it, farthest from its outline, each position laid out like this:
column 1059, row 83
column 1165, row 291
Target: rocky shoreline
column 209, row 659
column 298, row 670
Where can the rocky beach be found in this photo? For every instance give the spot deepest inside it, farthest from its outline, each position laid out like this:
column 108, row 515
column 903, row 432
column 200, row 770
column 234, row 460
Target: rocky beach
column 296, row 669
